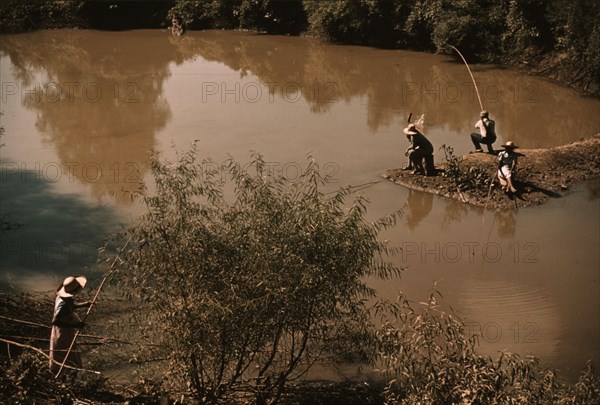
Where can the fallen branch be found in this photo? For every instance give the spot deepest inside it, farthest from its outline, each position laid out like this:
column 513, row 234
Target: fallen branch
column 83, row 335
column 25, row 322
column 40, row 351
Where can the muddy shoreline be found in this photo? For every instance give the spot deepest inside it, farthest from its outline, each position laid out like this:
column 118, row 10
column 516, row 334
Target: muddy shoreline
column 542, row 174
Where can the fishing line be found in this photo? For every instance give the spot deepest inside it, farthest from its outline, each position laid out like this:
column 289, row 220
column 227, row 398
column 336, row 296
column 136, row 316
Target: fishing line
column 357, row 187
column 485, row 246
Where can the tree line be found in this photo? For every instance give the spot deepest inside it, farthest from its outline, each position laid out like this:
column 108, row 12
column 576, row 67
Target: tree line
column 558, row 38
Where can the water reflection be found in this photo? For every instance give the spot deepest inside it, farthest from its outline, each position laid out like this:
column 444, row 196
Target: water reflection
column 593, row 189
column 454, row 211
column 392, row 83
column 99, row 95
column 52, row 234
column 512, row 316
column 153, row 92
column 507, row 224
column 419, row 205
column 98, row 101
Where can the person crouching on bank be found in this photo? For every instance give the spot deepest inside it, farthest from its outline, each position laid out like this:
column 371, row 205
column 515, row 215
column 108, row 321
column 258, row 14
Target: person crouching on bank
column 420, row 148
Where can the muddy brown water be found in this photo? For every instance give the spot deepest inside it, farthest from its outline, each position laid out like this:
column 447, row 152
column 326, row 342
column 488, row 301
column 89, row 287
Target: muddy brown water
column 83, row 109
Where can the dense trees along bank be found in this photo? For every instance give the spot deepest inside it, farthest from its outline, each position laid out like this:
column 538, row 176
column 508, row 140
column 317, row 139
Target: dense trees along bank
column 556, row 38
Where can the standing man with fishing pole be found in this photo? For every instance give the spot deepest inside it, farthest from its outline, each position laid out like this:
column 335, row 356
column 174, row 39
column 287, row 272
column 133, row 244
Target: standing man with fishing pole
column 71, row 285
column 65, row 323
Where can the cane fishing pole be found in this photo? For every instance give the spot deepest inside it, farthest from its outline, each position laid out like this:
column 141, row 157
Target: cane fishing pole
column 493, row 175
column 470, row 74
column 106, row 275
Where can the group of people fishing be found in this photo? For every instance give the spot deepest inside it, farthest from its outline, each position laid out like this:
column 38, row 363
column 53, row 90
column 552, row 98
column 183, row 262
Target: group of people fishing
column 65, row 322
column 420, row 151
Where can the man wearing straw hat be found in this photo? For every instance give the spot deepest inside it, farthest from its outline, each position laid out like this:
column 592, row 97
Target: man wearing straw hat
column 65, row 322
column 420, row 148
column 507, row 163
column 486, row 135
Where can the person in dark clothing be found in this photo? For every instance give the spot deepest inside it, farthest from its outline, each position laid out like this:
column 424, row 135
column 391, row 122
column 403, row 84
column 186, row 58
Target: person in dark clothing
column 420, row 148
column 486, row 135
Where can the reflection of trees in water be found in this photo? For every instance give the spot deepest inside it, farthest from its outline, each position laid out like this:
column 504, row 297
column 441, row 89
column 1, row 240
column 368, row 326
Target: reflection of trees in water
column 454, row 211
column 593, row 188
column 504, row 220
column 530, row 112
column 419, row 206
column 98, row 100
column 116, row 130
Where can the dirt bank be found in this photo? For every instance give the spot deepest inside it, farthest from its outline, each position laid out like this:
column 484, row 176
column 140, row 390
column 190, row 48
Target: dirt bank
column 542, row 174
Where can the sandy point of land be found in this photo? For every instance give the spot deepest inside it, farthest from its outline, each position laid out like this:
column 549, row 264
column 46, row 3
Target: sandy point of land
column 542, row 174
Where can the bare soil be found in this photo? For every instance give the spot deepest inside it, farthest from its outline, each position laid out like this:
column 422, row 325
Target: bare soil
column 542, row 174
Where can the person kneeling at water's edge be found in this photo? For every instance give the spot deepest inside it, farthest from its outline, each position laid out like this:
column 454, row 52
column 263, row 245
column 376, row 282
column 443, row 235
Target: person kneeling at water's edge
column 65, row 323
column 507, row 164
column 486, row 135
column 420, row 148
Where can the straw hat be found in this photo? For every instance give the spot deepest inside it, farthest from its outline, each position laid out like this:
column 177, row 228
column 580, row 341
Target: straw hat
column 509, row 145
column 71, row 286
column 411, row 129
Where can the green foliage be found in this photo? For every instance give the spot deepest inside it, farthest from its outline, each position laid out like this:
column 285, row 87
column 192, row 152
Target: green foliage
column 251, row 279
column 576, row 35
column 421, row 22
column 520, row 35
column 16, row 15
column 359, row 21
column 272, row 16
column 474, row 179
column 200, row 14
column 28, row 377
column 565, row 32
column 427, row 358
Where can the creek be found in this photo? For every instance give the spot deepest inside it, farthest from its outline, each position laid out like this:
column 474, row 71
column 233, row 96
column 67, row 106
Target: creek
column 82, row 110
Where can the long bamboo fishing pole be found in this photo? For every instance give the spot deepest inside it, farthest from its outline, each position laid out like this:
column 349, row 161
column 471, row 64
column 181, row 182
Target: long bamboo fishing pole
column 480, row 105
column 108, row 272
column 471, row 74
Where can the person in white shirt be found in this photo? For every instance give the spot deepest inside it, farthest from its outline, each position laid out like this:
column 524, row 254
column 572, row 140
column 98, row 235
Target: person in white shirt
column 487, row 133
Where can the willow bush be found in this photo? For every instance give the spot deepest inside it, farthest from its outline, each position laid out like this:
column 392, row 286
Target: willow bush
column 427, row 357
column 249, row 278
column 475, row 178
